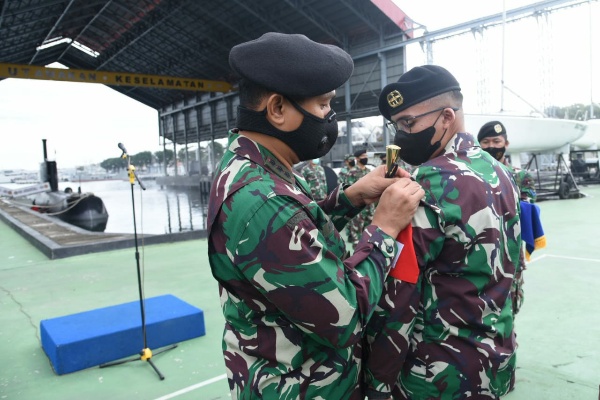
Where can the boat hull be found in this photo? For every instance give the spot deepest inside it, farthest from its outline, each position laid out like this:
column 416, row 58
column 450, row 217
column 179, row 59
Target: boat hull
column 531, row 134
column 591, row 139
column 84, row 210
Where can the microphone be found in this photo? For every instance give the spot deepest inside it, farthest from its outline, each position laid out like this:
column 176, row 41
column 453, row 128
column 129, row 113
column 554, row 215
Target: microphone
column 123, row 149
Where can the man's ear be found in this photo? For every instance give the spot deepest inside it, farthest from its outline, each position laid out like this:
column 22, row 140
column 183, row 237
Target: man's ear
column 275, row 108
column 506, row 143
column 449, row 117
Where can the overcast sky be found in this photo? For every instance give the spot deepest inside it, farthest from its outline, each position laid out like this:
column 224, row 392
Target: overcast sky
column 83, row 123
column 546, row 61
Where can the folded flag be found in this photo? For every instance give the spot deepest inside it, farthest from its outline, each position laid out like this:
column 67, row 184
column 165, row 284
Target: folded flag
column 532, row 231
column 406, row 267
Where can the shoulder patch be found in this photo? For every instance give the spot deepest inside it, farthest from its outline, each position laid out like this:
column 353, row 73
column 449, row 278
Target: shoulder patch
column 296, row 219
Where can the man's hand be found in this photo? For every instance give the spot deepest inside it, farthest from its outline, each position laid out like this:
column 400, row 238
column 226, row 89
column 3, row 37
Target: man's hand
column 398, row 204
column 368, row 189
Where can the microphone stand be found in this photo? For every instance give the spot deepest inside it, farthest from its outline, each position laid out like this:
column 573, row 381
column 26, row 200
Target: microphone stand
column 145, row 353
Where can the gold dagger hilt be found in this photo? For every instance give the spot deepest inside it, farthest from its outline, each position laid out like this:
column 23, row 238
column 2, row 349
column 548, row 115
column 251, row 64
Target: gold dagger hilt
column 392, row 154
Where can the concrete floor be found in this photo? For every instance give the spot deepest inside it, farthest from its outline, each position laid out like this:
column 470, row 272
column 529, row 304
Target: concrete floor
column 558, row 327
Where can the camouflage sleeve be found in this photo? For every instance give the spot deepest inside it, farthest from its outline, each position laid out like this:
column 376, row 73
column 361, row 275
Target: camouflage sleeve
column 387, row 337
column 517, row 293
column 288, row 260
column 428, row 234
column 526, row 184
column 339, row 208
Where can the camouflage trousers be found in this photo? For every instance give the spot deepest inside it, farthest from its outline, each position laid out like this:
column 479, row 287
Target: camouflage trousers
column 357, row 225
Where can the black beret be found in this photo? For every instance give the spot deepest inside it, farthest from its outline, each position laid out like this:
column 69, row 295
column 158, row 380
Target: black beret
column 292, row 65
column 415, row 86
column 359, row 152
column 491, row 129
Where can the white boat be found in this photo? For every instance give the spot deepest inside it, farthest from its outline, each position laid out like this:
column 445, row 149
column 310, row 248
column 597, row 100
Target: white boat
column 591, row 139
column 531, row 134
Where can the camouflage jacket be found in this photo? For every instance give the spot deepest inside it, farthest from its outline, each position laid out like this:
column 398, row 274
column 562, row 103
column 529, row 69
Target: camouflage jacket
column 294, row 310
column 525, row 182
column 451, row 336
column 343, row 175
column 354, row 174
column 314, row 175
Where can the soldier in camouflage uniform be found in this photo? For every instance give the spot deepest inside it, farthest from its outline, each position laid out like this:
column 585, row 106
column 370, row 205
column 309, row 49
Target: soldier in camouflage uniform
column 493, row 138
column 349, row 163
column 456, row 338
column 314, row 175
column 294, row 309
column 362, row 220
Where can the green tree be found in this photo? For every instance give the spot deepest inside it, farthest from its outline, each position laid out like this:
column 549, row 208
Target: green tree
column 162, row 156
column 191, row 154
column 113, row 164
column 142, row 159
column 218, row 151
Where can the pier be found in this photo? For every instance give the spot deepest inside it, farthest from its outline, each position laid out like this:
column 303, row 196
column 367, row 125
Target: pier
column 58, row 239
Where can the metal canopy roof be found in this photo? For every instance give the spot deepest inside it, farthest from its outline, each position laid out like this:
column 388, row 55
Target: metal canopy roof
column 181, row 38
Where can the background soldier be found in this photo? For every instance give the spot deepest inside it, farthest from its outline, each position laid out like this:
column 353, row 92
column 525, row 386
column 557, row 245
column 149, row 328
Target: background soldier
column 358, row 224
column 314, row 175
column 349, row 163
column 493, row 138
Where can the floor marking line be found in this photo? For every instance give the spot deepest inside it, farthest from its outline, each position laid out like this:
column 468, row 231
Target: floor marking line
column 536, row 259
column 193, row 387
column 564, row 257
column 576, row 258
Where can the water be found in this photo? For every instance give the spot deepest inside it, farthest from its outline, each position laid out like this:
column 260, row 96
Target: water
column 157, row 210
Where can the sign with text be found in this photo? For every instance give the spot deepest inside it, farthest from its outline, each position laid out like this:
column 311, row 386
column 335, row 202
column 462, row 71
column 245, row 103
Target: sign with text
column 111, row 78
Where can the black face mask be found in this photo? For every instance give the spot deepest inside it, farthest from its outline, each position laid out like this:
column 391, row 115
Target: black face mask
column 496, row 152
column 351, row 163
column 416, row 148
column 363, row 161
column 313, row 139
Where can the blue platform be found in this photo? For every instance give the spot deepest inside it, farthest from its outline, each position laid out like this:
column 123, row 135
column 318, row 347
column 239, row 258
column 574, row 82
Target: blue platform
column 78, row 341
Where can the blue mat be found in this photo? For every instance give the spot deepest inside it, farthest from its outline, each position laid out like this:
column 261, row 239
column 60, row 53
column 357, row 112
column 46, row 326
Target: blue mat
column 78, row 341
